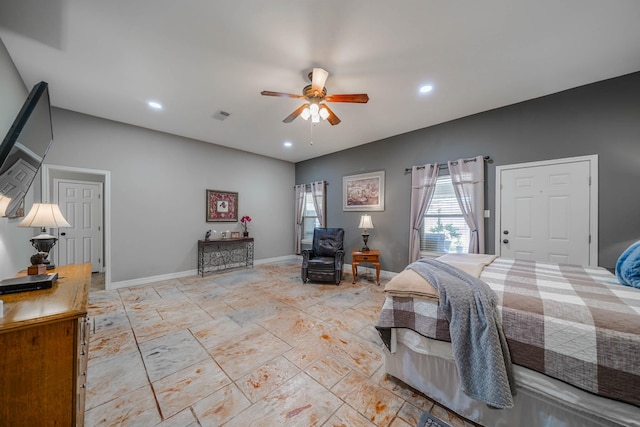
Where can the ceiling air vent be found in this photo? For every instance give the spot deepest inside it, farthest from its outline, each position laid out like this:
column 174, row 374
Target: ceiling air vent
column 221, row 115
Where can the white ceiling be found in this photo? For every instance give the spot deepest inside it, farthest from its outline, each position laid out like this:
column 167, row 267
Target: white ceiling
column 108, row 58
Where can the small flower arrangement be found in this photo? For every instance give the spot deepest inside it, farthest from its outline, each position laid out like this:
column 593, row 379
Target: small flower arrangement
column 245, row 220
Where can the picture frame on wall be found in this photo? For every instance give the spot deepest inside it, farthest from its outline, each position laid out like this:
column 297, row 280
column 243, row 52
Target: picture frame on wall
column 222, row 206
column 363, row 192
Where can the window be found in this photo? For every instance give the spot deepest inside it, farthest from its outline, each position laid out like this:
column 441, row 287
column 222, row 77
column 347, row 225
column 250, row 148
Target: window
column 309, row 217
column 444, row 229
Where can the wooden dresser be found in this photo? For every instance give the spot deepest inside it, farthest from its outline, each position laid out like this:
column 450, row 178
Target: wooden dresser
column 43, row 352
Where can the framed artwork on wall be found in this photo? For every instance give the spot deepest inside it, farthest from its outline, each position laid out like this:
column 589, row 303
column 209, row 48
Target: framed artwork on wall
column 222, row 206
column 363, row 192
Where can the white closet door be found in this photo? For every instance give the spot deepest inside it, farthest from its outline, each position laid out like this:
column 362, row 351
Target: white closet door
column 546, row 212
column 81, row 205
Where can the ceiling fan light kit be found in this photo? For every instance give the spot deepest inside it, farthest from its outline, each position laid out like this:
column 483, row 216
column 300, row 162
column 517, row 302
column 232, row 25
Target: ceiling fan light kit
column 314, row 94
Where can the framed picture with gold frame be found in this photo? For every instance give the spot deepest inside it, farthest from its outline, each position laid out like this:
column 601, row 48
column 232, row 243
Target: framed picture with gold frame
column 235, row 234
column 222, row 206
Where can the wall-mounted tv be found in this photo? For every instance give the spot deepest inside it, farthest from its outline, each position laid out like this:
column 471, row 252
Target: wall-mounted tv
column 23, row 150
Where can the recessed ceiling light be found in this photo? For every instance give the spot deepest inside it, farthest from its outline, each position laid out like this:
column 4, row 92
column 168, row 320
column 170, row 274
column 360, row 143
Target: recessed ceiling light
column 288, row 144
column 155, row 105
column 426, row 89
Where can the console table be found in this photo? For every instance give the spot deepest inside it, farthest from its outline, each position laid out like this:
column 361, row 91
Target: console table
column 221, row 254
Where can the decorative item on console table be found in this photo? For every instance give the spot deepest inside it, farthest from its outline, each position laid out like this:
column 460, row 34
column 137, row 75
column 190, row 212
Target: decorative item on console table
column 37, row 264
column 244, row 221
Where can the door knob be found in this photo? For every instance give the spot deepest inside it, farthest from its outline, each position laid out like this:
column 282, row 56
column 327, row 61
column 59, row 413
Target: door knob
column 63, row 234
column 506, row 232
column 505, row 241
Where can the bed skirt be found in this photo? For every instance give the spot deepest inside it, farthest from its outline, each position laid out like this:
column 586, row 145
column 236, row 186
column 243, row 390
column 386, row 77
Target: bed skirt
column 541, row 401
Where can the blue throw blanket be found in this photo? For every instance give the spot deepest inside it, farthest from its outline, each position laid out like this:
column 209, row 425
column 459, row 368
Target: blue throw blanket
column 478, row 342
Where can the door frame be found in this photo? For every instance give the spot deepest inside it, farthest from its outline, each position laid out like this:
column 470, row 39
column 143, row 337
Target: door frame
column 47, row 195
column 593, row 198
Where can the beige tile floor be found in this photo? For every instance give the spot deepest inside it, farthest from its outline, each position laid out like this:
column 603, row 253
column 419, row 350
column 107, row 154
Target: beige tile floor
column 251, row 347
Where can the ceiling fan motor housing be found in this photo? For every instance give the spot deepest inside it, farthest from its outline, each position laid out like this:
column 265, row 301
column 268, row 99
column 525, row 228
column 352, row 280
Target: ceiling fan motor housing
column 310, row 94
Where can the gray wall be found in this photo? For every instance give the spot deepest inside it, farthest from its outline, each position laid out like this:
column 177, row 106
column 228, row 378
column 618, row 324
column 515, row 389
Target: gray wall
column 158, row 189
column 601, row 118
column 15, row 248
column 158, row 184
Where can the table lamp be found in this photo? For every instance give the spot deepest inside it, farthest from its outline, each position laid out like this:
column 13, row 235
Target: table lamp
column 365, row 223
column 44, row 215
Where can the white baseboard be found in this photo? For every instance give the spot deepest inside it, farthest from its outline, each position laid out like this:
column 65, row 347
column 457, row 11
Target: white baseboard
column 150, row 279
column 189, row 273
column 171, row 276
column 277, row 259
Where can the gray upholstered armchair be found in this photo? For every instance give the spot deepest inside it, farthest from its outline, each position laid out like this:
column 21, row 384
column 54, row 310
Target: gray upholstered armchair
column 323, row 262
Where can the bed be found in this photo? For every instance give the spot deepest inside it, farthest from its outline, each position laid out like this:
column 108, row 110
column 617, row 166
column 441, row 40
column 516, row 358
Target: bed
column 573, row 338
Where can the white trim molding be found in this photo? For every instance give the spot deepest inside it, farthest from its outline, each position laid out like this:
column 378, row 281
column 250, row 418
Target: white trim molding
column 46, row 194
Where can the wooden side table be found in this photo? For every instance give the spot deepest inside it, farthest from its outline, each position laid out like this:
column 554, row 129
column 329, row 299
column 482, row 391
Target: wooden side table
column 371, row 257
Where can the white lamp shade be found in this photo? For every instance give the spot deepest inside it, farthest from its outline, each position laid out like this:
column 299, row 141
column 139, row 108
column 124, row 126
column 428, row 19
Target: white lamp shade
column 366, row 222
column 44, row 215
column 4, row 204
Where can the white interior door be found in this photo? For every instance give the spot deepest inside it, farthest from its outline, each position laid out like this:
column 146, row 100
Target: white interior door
column 546, row 211
column 81, row 204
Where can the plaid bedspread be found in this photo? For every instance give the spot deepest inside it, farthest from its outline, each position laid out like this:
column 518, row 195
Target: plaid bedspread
column 573, row 323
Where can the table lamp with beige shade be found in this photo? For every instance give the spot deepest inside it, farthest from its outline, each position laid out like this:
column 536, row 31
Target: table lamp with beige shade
column 43, row 216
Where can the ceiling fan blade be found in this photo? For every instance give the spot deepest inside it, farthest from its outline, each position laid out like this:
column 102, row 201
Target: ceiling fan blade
column 291, row 117
column 345, row 97
column 333, row 119
column 281, row 94
column 319, row 78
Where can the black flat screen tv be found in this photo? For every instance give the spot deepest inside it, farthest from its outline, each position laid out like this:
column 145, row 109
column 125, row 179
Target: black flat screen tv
column 23, row 150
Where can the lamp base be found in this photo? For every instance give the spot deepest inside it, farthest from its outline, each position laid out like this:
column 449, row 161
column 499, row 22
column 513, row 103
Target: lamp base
column 365, row 237
column 44, row 243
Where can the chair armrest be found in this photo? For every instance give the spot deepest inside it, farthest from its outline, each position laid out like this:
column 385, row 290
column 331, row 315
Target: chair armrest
column 339, row 257
column 307, row 254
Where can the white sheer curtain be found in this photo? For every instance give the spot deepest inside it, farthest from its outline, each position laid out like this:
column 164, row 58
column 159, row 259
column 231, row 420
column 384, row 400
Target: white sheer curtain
column 317, row 191
column 300, row 190
column 423, row 185
column 467, row 177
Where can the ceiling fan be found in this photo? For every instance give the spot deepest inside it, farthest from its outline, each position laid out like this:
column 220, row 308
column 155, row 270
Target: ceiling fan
column 316, row 96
